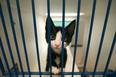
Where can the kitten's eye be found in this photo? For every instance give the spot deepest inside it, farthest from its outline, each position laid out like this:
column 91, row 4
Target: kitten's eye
column 52, row 37
column 65, row 39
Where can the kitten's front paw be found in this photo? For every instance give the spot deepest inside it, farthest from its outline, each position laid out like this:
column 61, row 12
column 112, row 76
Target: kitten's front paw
column 55, row 70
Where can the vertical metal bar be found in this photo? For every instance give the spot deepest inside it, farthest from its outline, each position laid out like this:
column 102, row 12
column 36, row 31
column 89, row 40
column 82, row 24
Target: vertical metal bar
column 23, row 36
column 1, row 65
column 8, row 42
column 114, row 74
column 102, row 37
column 14, row 35
column 36, row 38
column 4, row 26
column 89, row 38
column 76, row 37
column 63, row 24
column 49, row 41
column 6, row 62
column 110, row 54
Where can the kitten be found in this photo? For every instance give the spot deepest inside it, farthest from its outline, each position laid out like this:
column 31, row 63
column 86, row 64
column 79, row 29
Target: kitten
column 56, row 45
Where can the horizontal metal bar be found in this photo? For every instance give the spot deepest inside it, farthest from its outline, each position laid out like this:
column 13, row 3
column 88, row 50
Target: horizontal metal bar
column 64, row 73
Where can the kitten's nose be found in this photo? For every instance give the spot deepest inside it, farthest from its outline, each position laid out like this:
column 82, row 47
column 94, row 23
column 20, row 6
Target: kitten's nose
column 57, row 45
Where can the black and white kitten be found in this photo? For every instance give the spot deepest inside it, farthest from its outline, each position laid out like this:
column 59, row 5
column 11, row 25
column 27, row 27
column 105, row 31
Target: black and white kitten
column 56, row 45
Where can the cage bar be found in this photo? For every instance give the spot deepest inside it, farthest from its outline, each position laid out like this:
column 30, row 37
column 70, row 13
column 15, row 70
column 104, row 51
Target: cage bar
column 14, row 35
column 35, row 32
column 76, row 37
column 22, row 33
column 114, row 73
column 89, row 38
column 4, row 56
column 1, row 66
column 102, row 37
column 49, row 41
column 110, row 54
column 64, row 73
column 63, row 35
column 7, row 39
column 1, row 45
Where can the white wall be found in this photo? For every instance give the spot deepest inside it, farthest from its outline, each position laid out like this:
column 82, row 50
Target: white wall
column 80, row 34
column 95, row 40
column 27, row 21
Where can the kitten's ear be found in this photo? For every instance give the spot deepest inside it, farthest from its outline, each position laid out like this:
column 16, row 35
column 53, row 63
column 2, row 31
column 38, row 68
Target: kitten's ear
column 51, row 23
column 71, row 27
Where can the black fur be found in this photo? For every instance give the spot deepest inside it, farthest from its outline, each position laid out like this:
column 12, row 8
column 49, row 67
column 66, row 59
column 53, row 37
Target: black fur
column 54, row 55
column 69, row 31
